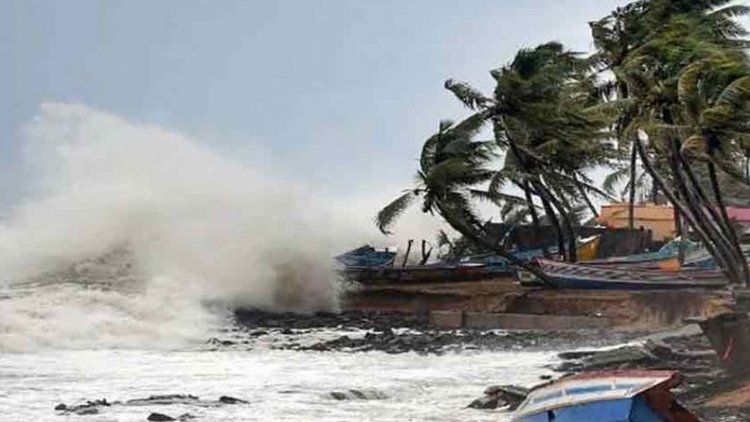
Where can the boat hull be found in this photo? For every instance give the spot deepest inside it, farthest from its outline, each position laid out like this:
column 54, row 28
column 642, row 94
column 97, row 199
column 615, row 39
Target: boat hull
column 573, row 276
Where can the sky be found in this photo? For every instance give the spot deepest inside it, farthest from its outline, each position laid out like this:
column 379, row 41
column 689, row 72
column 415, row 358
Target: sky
column 335, row 95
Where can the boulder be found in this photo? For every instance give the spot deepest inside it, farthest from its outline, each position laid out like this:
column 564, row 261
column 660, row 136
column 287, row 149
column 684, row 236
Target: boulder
column 500, row 395
column 487, row 401
column 231, row 400
column 159, row 417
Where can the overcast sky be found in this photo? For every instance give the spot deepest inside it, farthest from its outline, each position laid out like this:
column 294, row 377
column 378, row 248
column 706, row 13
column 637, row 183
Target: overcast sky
column 333, row 94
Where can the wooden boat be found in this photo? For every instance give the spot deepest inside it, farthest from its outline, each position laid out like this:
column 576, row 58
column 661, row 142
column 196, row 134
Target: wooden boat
column 588, row 277
column 367, row 256
column 610, row 396
column 471, row 268
column 411, row 274
column 648, row 259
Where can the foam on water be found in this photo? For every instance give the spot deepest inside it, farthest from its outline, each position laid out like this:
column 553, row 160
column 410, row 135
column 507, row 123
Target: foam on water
column 280, row 385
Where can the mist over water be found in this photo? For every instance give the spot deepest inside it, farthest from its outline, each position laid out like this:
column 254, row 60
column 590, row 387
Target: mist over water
column 137, row 237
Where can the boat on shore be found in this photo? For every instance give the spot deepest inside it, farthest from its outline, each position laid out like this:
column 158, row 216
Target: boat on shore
column 371, row 267
column 589, row 277
column 419, row 274
column 609, row 396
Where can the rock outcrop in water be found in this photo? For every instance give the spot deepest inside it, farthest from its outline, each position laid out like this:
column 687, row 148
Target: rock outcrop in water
column 93, row 407
column 499, row 396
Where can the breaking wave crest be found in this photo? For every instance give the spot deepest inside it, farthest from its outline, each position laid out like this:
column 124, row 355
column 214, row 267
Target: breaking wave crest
column 137, row 237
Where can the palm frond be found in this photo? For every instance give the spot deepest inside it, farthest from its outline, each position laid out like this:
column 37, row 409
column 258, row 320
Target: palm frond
column 390, row 213
column 470, row 96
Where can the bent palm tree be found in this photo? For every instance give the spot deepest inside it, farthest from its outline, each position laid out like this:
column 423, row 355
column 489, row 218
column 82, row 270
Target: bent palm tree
column 542, row 114
column 452, row 166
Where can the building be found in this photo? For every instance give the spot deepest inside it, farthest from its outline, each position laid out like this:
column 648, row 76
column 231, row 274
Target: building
column 657, row 218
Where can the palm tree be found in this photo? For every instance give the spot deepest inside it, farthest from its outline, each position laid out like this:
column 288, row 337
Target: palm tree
column 542, row 115
column 680, row 34
column 452, row 167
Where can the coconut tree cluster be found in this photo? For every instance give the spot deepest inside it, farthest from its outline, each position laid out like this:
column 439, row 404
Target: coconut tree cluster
column 664, row 100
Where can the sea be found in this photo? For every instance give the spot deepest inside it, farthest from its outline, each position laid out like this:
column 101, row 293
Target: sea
column 127, row 252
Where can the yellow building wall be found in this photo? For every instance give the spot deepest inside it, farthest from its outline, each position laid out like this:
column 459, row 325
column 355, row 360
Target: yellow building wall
column 657, row 218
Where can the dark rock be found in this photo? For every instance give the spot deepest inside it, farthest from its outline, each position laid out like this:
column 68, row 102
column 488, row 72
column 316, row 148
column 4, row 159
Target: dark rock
column 501, row 395
column 231, row 400
column 160, row 417
column 619, row 358
column 512, row 395
column 576, row 354
column 485, row 402
column 91, row 407
column 164, row 399
column 493, row 389
column 338, row 395
column 86, row 411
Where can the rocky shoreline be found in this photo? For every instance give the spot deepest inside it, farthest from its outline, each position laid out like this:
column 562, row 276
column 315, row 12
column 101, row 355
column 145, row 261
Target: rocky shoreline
column 686, row 351
column 393, row 333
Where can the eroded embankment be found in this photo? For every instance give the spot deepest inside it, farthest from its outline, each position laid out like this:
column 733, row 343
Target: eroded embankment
column 622, row 310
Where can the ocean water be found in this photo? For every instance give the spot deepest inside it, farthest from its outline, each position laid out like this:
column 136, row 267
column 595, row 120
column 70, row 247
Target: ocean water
column 279, row 385
column 127, row 252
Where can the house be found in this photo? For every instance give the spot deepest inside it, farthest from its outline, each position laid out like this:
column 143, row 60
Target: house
column 657, row 218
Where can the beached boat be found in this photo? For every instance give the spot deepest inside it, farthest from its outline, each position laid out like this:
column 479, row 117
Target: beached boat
column 591, row 277
column 612, row 396
column 363, row 268
column 367, row 256
column 648, row 259
column 435, row 273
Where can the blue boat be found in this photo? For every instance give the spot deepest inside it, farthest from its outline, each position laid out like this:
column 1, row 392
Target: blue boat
column 368, row 266
column 611, row 396
column 367, row 256
column 668, row 251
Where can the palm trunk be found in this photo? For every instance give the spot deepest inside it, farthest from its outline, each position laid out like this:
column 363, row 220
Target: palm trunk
column 631, row 199
column 708, row 242
column 545, row 198
column 727, row 223
column 703, row 197
column 552, row 217
column 472, row 234
column 586, row 199
column 534, row 217
column 707, row 224
column 679, row 224
column 697, row 203
column 567, row 225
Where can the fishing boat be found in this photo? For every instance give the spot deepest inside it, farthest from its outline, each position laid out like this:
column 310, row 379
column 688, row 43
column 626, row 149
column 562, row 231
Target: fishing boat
column 591, row 277
column 416, row 274
column 367, row 256
column 611, row 396
column 666, row 253
column 362, row 267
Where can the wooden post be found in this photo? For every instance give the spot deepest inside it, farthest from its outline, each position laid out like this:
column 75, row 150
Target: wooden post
column 425, row 253
column 406, row 255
